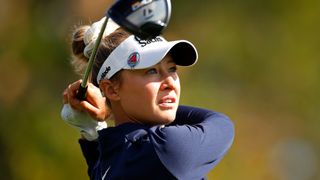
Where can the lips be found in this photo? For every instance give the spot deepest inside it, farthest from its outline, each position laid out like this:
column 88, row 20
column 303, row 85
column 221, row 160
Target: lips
column 167, row 102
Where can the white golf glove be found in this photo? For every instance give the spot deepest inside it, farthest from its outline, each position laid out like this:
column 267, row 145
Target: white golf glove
column 87, row 126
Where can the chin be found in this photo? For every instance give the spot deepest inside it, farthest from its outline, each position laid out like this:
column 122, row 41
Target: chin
column 168, row 117
column 163, row 116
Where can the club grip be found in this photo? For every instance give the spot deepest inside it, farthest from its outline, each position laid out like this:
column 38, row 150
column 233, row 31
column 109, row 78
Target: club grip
column 82, row 93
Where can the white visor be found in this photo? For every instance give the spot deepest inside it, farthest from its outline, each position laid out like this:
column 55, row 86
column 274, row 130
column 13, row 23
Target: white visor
column 134, row 53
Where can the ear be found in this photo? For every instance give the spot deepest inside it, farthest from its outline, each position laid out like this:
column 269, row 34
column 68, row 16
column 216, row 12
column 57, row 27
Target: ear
column 110, row 90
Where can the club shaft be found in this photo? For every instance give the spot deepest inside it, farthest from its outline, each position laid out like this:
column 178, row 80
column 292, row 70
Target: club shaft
column 83, row 86
column 93, row 54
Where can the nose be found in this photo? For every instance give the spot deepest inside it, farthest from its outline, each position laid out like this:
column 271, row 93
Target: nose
column 168, row 81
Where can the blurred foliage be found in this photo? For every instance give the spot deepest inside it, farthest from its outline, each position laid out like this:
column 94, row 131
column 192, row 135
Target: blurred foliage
column 258, row 63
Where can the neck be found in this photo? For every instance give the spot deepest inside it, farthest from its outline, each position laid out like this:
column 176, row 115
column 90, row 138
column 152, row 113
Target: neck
column 120, row 116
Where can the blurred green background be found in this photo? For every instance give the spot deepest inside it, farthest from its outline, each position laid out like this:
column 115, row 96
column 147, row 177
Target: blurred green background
column 259, row 63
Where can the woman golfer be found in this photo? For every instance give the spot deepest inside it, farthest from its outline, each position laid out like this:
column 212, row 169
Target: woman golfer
column 135, row 82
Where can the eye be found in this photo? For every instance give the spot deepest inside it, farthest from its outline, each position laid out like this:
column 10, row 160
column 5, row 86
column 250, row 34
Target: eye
column 152, row 71
column 173, row 69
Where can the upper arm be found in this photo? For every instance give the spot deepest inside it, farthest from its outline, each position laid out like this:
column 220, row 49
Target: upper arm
column 196, row 146
column 90, row 153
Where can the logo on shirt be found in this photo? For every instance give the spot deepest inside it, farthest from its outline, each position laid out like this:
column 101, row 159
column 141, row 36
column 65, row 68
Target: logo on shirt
column 105, row 174
column 134, row 59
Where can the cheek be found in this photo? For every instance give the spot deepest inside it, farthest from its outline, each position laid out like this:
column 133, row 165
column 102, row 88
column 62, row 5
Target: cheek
column 139, row 96
column 151, row 90
column 178, row 88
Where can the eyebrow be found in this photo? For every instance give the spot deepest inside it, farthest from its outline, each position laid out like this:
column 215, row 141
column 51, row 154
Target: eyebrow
column 168, row 62
column 171, row 61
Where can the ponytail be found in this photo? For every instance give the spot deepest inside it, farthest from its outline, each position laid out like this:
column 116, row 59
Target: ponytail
column 78, row 60
column 83, row 40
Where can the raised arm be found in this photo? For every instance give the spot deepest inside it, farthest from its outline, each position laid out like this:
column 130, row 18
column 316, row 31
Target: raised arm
column 194, row 143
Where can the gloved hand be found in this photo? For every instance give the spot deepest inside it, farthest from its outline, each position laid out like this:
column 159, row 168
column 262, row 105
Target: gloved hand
column 87, row 126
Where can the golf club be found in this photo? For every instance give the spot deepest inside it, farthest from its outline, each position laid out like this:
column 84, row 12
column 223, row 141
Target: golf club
column 143, row 18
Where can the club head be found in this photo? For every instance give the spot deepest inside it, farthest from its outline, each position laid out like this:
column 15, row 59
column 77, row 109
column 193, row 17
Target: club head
column 143, row 18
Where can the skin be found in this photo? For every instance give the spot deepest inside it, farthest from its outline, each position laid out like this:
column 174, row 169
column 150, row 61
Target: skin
column 95, row 105
column 148, row 96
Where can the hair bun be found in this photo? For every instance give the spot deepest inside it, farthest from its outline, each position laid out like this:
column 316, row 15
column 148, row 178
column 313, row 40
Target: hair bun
column 91, row 35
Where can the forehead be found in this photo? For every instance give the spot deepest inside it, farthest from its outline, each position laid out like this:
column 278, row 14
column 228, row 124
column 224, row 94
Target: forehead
column 167, row 59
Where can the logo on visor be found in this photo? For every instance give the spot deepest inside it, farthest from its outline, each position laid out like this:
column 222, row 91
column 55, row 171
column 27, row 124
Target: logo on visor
column 144, row 42
column 103, row 75
column 134, row 59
